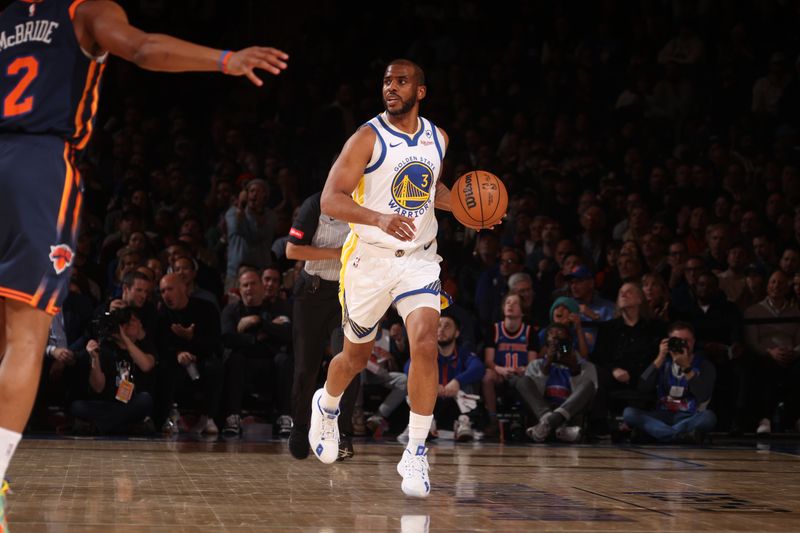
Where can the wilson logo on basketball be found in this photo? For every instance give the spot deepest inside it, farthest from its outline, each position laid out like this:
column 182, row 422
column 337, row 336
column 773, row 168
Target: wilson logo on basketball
column 469, row 194
column 61, row 256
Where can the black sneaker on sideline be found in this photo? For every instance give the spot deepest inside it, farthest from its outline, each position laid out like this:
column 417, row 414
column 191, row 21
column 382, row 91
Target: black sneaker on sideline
column 345, row 448
column 298, row 442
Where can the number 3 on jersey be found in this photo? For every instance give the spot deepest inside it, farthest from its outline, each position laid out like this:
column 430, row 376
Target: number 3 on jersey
column 14, row 104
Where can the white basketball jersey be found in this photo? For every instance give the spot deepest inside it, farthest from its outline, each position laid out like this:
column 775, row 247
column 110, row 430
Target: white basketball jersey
column 401, row 178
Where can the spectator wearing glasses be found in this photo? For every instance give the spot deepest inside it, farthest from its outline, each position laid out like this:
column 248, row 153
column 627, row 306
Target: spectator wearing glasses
column 493, row 285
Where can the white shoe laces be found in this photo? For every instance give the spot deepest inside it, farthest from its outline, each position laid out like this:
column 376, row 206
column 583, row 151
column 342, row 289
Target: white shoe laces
column 416, row 466
column 329, row 425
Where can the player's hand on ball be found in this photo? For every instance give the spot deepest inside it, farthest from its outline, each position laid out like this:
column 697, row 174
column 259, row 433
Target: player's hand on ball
column 244, row 62
column 397, row 226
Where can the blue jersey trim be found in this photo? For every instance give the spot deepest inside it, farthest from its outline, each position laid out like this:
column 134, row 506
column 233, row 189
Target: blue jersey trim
column 431, row 288
column 436, row 141
column 378, row 163
column 408, row 139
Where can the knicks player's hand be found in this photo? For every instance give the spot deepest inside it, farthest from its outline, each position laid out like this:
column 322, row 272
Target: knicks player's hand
column 244, row 62
column 397, row 226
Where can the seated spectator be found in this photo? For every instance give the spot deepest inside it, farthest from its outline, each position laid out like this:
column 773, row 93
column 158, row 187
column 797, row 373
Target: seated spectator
column 459, row 371
column 755, row 289
column 623, row 349
column 683, row 381
column 789, row 262
column 557, row 387
column 592, row 307
column 510, row 345
column 275, row 299
column 717, row 254
column 252, row 338
column 120, row 376
column 776, row 346
column 677, row 256
column 190, row 349
column 683, row 294
column 493, row 285
column 656, row 295
column 731, row 280
column 653, row 254
column 565, row 311
column 186, row 268
column 521, row 283
column 129, row 261
column 718, row 332
column 764, row 252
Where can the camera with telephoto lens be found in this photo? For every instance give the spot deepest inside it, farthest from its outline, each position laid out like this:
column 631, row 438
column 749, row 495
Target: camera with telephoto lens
column 676, row 345
column 107, row 324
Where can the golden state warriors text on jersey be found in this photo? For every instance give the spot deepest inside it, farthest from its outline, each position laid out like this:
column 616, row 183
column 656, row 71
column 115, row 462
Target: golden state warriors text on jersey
column 411, row 187
column 401, row 179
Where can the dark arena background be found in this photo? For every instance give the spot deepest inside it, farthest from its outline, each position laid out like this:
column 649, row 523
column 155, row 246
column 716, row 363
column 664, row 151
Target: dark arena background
column 651, row 152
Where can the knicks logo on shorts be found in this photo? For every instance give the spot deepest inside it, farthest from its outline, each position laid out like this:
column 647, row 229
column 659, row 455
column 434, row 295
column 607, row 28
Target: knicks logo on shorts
column 61, row 256
column 411, row 187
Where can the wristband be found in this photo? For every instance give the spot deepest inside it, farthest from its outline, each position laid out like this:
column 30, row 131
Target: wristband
column 223, row 61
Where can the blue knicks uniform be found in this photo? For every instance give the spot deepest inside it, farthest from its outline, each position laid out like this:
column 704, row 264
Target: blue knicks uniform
column 49, row 89
column 511, row 349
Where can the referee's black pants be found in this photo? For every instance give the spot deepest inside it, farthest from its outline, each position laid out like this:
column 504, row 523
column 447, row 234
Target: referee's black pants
column 317, row 323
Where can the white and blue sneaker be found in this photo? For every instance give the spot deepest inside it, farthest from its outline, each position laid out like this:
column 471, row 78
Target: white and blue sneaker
column 323, row 433
column 414, row 469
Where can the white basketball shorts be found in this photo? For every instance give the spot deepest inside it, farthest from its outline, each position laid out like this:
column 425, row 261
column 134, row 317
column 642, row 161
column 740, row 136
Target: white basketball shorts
column 373, row 278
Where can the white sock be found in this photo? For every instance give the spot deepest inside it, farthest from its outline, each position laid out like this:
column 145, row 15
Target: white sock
column 8, row 443
column 328, row 402
column 418, row 428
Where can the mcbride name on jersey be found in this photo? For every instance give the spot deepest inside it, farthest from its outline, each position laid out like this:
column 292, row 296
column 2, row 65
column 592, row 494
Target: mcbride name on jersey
column 50, row 86
column 401, row 178
column 38, row 30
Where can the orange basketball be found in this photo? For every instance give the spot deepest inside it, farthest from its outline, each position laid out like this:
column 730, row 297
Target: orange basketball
column 479, row 199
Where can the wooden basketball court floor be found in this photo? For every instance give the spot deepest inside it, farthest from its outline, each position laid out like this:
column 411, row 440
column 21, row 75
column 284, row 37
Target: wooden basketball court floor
column 92, row 485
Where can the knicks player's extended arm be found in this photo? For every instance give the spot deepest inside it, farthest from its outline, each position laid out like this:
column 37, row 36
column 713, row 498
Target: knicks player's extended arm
column 102, row 26
column 442, row 200
column 337, row 200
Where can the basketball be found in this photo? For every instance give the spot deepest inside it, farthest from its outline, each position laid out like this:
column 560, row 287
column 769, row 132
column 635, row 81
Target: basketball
column 479, row 199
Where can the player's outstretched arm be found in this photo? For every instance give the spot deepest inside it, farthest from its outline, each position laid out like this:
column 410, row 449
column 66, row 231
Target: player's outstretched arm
column 102, row 26
column 337, row 196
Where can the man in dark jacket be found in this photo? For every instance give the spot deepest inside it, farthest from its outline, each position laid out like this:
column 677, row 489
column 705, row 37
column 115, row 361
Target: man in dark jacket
column 251, row 333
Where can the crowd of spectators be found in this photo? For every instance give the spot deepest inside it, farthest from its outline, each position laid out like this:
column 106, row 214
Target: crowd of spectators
column 651, row 150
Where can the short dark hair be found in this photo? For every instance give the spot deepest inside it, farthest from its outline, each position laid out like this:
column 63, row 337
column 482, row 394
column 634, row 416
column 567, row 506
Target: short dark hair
column 678, row 325
column 419, row 74
column 130, row 278
column 449, row 314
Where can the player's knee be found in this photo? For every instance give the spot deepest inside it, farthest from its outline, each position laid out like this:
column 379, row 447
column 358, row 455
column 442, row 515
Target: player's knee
column 489, row 376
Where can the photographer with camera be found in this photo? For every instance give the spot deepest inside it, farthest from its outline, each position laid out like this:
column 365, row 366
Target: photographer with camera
column 120, row 375
column 683, row 381
column 557, row 387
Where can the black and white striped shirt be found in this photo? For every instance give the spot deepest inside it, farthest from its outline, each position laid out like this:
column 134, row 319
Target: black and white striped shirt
column 312, row 227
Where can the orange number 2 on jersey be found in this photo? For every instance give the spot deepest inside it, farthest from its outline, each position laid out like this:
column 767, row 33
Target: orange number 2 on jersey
column 12, row 105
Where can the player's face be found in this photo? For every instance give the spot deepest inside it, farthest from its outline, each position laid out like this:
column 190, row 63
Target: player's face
column 401, row 90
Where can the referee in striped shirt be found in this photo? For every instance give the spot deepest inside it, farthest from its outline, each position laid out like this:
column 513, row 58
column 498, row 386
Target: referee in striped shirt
column 317, row 239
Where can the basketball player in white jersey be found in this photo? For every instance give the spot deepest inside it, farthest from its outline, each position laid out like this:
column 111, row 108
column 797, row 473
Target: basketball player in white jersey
column 385, row 184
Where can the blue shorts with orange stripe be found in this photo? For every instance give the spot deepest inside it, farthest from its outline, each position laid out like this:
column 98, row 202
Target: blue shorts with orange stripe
column 40, row 201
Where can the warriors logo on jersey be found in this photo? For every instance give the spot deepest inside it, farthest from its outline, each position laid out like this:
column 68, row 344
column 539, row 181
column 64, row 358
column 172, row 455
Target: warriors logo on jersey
column 411, row 187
